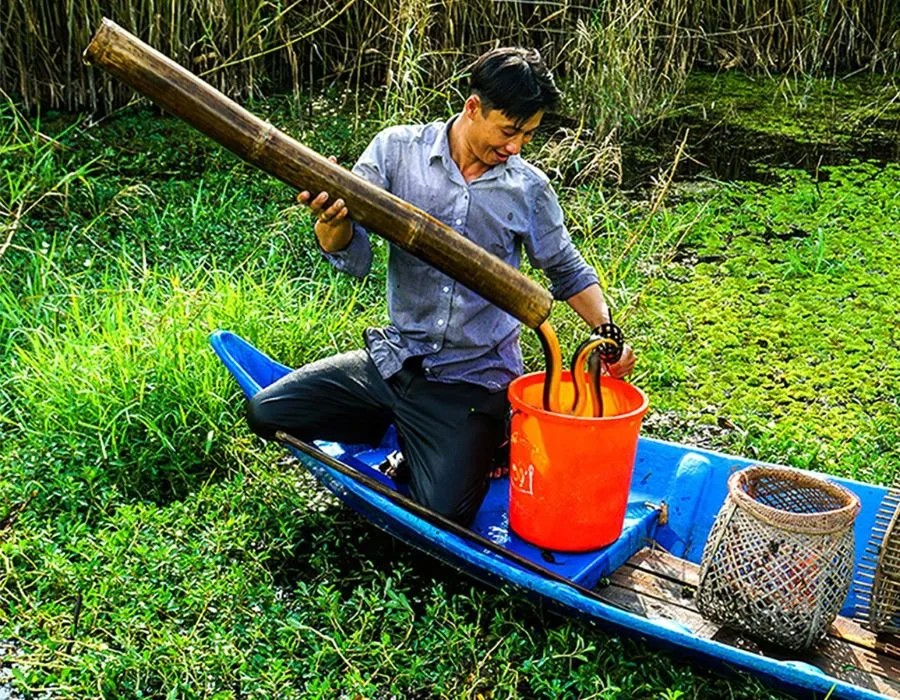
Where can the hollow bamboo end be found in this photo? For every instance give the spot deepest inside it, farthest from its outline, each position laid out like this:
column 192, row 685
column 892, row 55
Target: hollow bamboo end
column 539, row 315
column 100, row 42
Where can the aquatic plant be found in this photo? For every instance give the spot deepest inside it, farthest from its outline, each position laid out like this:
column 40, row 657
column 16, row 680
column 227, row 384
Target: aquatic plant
column 158, row 549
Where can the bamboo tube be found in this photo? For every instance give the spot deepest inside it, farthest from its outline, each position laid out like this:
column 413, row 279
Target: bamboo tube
column 199, row 104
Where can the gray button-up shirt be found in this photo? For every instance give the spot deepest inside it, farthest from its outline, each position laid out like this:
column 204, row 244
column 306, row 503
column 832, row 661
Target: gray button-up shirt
column 460, row 336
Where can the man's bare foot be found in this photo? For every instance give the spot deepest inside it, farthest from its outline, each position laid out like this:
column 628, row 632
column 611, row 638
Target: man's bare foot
column 395, row 467
column 499, row 472
column 500, row 463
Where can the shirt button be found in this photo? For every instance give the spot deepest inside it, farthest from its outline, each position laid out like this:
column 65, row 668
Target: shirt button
column 446, row 289
column 459, row 222
column 435, row 346
column 440, row 322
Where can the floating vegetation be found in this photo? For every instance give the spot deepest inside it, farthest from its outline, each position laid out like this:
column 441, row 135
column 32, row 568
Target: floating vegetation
column 164, row 551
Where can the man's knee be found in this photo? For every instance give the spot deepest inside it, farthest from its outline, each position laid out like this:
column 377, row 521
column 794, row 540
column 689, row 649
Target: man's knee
column 261, row 418
column 460, row 508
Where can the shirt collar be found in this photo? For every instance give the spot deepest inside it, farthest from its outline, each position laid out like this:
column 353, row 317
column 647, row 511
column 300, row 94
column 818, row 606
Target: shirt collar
column 441, row 149
column 441, row 146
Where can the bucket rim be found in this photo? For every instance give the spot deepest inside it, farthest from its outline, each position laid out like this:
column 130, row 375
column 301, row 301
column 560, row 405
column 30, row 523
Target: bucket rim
column 518, row 404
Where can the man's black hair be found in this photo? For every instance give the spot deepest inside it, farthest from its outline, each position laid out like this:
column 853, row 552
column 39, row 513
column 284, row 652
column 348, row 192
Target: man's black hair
column 515, row 81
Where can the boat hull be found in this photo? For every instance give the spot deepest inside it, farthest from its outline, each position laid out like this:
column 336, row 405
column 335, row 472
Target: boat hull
column 668, row 478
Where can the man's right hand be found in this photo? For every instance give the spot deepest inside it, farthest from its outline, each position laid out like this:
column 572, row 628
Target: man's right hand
column 333, row 229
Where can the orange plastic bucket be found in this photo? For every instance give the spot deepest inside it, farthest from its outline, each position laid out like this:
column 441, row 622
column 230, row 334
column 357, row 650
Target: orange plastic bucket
column 569, row 476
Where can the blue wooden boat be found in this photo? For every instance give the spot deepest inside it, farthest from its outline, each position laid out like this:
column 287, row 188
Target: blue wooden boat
column 675, row 495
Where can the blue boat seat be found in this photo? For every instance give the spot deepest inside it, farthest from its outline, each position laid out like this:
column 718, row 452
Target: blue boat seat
column 492, row 520
column 585, row 568
column 253, row 369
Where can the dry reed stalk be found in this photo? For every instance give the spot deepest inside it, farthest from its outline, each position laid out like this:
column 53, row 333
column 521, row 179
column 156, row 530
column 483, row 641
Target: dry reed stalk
column 247, row 47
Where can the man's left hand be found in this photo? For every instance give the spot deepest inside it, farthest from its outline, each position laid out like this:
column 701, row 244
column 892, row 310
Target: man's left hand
column 624, row 366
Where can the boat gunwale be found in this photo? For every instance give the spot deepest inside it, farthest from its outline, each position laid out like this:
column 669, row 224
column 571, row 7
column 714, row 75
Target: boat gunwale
column 457, row 552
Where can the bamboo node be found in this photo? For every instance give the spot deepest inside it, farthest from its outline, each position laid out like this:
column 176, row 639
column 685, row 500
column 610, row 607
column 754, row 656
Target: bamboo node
column 260, row 142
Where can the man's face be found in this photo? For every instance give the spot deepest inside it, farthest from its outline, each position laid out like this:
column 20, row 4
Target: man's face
column 494, row 137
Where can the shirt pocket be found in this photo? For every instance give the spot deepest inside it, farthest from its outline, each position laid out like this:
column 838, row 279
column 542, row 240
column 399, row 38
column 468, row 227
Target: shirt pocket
column 509, row 229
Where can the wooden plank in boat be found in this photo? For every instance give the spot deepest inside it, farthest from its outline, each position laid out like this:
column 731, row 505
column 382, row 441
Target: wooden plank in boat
column 672, row 591
column 662, row 563
column 658, row 585
column 653, row 608
column 848, row 662
column 851, row 631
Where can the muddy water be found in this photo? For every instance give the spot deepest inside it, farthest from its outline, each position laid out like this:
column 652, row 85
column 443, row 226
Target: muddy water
column 729, row 152
column 741, row 127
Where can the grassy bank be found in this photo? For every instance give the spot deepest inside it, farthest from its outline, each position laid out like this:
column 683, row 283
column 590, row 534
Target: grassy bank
column 149, row 546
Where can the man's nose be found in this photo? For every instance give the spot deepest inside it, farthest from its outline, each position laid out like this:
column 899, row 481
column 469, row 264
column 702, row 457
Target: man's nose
column 513, row 147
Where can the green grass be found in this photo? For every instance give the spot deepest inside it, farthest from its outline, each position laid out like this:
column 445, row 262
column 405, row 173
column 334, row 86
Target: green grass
column 788, row 330
column 199, row 563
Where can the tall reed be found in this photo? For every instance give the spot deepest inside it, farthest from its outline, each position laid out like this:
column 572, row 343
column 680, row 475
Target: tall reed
column 246, row 47
column 34, row 169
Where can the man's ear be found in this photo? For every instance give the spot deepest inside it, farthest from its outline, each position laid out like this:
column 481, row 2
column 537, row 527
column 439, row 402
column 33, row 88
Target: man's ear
column 472, row 106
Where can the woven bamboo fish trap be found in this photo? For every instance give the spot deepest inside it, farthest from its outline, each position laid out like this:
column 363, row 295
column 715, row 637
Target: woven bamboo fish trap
column 884, row 614
column 779, row 560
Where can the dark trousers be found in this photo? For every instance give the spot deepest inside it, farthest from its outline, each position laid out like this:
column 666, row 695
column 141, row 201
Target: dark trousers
column 448, row 433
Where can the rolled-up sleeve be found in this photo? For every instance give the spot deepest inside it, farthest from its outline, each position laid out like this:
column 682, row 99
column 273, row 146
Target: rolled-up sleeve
column 356, row 258
column 550, row 248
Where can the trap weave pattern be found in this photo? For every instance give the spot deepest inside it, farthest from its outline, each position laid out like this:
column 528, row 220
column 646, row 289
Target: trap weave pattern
column 884, row 615
column 779, row 559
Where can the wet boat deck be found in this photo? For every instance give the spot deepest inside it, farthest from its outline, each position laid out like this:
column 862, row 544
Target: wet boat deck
column 660, row 586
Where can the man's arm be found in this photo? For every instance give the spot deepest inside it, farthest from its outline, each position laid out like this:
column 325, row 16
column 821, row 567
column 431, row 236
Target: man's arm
column 550, row 248
column 591, row 306
column 345, row 243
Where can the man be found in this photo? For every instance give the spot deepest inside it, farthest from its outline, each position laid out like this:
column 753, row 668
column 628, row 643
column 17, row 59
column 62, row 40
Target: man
column 439, row 371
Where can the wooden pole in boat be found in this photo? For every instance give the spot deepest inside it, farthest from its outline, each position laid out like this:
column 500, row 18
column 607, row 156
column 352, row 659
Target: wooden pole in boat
column 202, row 106
column 431, row 516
